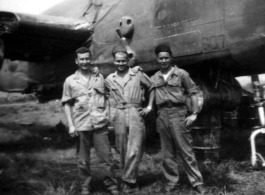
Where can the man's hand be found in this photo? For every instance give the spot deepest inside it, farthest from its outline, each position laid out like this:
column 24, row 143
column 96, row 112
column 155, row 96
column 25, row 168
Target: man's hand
column 72, row 131
column 190, row 119
column 145, row 111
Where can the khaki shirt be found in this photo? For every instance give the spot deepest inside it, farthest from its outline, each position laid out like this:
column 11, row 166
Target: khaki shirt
column 175, row 89
column 88, row 101
column 132, row 90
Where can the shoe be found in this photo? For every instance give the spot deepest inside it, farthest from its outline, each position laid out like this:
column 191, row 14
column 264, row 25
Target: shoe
column 127, row 188
column 169, row 188
column 111, row 185
column 113, row 190
column 199, row 189
column 85, row 191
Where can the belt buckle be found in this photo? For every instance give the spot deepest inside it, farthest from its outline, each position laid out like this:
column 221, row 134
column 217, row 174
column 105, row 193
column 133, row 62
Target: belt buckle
column 167, row 103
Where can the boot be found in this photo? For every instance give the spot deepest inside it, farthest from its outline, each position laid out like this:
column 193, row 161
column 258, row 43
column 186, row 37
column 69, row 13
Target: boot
column 111, row 185
column 127, row 188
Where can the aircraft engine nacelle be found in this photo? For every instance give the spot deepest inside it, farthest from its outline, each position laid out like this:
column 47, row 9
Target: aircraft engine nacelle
column 221, row 96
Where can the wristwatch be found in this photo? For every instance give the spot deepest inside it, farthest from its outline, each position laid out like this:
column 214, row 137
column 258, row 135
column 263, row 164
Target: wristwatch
column 195, row 113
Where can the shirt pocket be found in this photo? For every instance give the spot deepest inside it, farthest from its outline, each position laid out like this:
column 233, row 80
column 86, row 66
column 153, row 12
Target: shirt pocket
column 100, row 101
column 174, row 82
column 99, row 97
column 81, row 105
column 116, row 94
column 158, row 84
column 80, row 100
column 77, row 91
column 100, row 90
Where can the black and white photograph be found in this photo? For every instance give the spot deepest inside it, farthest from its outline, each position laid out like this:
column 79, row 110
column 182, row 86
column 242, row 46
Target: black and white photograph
column 132, row 97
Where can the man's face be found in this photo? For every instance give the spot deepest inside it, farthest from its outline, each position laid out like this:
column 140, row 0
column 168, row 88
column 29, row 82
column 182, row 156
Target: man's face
column 121, row 62
column 164, row 59
column 83, row 61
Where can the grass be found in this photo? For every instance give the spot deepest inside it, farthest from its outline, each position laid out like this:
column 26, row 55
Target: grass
column 39, row 159
column 29, row 174
column 54, row 172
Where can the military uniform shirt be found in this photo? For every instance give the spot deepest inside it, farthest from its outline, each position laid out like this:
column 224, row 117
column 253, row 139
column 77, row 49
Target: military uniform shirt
column 131, row 91
column 88, row 101
column 175, row 89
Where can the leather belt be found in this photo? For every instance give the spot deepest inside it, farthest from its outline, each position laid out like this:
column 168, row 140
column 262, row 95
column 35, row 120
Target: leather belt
column 171, row 105
column 127, row 105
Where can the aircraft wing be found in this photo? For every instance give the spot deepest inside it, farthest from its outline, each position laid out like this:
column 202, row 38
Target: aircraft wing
column 40, row 37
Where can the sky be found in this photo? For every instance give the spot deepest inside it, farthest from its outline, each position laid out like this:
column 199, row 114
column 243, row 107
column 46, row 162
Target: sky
column 27, row 6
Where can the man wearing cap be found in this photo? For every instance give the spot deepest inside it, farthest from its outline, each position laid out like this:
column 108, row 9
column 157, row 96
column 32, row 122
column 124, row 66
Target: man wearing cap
column 85, row 108
column 126, row 86
column 171, row 87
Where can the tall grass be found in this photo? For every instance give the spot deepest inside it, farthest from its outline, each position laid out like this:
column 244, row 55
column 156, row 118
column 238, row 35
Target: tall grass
column 40, row 160
column 54, row 172
column 29, row 174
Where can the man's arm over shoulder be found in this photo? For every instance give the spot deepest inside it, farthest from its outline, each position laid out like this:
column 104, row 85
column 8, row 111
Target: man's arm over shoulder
column 144, row 79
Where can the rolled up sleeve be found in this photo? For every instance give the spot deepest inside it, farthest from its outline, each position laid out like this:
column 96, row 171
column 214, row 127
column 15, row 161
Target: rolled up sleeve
column 67, row 97
column 188, row 84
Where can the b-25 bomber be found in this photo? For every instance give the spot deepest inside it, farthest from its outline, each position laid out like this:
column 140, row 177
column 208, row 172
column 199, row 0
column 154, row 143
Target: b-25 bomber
column 215, row 40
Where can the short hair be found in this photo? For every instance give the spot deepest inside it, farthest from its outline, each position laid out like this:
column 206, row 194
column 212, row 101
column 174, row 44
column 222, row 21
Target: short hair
column 117, row 49
column 121, row 53
column 82, row 50
column 163, row 48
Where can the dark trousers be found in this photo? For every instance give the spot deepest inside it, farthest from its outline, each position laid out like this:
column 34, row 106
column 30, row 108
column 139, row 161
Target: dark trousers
column 99, row 139
column 130, row 134
column 175, row 137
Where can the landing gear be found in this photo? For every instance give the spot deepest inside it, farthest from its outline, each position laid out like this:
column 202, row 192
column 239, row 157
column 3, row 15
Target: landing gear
column 257, row 160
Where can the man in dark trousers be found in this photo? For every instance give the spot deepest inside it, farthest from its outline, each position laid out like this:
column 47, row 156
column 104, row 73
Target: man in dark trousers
column 127, row 87
column 85, row 108
column 171, row 87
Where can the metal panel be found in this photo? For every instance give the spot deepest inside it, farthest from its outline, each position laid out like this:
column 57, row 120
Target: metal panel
column 183, row 44
column 175, row 11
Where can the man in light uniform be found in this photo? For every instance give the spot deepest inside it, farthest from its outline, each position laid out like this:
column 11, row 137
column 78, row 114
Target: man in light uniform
column 126, row 86
column 85, row 108
column 169, row 84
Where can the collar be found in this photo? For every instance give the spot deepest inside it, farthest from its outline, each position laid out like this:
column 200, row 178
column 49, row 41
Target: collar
column 77, row 74
column 130, row 72
column 175, row 71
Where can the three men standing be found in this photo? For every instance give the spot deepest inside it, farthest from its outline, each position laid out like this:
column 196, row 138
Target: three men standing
column 85, row 107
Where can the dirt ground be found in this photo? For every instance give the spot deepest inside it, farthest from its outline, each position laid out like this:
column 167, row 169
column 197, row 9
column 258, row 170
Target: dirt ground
column 38, row 157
